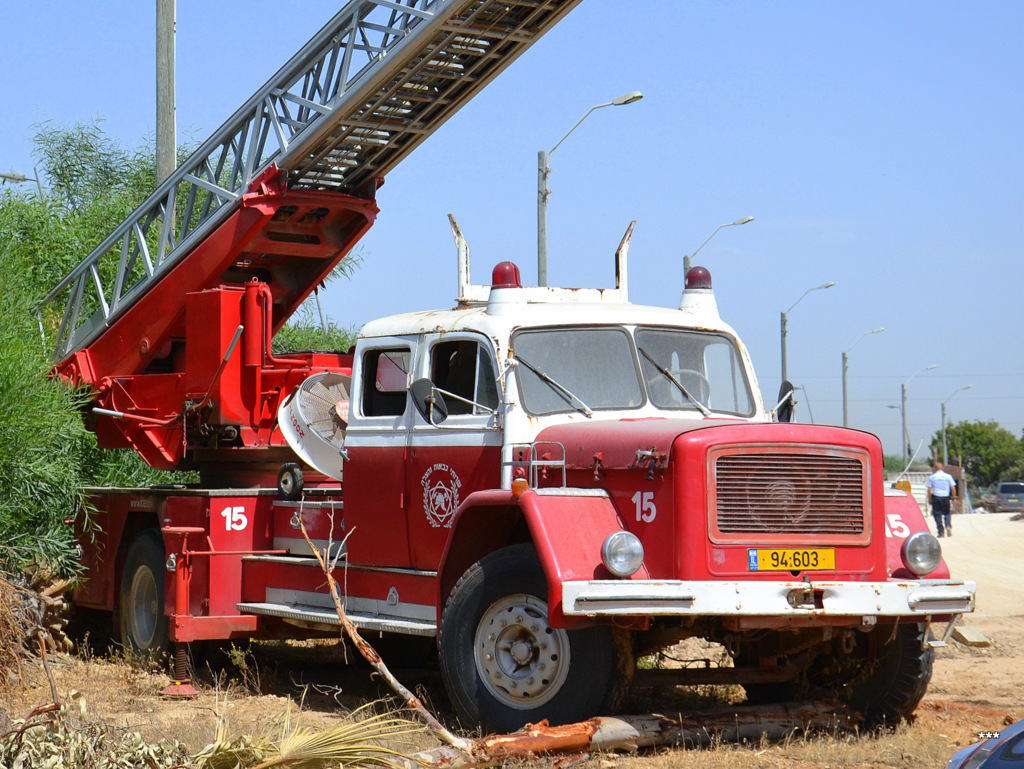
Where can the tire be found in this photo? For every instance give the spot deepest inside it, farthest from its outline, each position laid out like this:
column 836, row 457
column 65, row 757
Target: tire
column 898, row 677
column 290, row 481
column 883, row 677
column 142, row 623
column 504, row 665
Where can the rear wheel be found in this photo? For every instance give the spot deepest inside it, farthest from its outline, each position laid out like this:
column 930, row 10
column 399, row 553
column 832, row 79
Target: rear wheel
column 290, row 481
column 142, row 622
column 502, row 662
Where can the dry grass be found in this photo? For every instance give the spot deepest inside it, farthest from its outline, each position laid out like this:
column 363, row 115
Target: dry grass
column 111, row 707
column 122, row 694
column 317, row 689
column 906, row 748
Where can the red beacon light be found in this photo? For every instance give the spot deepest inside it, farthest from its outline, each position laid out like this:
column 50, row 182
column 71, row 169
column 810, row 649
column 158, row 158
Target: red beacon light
column 697, row 294
column 506, row 295
column 505, row 275
column 698, row 277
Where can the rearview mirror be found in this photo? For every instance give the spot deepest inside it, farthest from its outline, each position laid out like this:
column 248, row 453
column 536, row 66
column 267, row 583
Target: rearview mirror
column 428, row 401
column 784, row 409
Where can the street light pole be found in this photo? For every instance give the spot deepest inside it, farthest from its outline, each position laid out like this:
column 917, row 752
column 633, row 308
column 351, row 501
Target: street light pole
column 543, row 169
column 784, row 319
column 688, row 259
column 846, row 365
column 903, row 410
column 945, row 453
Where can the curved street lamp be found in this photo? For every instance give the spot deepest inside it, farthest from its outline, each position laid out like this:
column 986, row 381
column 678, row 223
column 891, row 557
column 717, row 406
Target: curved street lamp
column 543, row 169
column 785, row 317
column 945, row 453
column 846, row 365
column 13, row 177
column 688, row 259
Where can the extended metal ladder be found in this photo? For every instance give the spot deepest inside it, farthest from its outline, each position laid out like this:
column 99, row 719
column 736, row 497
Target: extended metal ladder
column 364, row 92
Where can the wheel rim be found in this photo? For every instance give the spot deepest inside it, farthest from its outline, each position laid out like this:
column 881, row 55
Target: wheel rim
column 522, row 660
column 142, row 611
column 287, row 483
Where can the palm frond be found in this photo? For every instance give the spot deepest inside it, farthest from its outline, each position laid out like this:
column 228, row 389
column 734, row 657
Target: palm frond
column 356, row 741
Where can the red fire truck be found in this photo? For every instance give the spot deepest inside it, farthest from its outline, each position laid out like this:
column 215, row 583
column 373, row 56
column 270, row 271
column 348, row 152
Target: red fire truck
column 550, row 482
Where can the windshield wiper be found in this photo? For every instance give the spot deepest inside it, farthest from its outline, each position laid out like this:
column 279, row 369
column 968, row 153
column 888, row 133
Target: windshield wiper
column 665, row 372
column 583, row 407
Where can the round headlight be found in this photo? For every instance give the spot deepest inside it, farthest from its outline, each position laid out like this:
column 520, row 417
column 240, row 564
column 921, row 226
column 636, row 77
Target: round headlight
column 921, row 553
column 622, row 553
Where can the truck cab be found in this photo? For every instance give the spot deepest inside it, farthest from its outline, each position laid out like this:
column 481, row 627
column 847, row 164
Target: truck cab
column 573, row 480
column 549, row 484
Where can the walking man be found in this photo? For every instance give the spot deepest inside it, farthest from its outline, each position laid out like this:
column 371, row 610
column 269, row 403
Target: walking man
column 941, row 491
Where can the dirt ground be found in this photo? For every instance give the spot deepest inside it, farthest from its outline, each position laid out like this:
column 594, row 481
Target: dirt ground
column 973, row 689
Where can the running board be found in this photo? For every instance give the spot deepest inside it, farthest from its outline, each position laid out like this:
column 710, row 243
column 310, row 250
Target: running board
column 317, row 615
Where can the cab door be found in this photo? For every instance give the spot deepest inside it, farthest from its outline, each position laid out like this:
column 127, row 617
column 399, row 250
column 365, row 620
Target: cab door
column 460, row 455
column 377, row 444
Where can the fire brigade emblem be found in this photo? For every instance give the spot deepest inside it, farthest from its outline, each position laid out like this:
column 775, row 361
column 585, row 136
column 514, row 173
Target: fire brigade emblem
column 441, row 495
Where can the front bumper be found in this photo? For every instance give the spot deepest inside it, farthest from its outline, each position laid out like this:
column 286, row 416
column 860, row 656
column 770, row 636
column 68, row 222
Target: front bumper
column 596, row 598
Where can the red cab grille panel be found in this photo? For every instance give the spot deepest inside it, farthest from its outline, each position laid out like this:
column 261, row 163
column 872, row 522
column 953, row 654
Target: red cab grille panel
column 788, row 493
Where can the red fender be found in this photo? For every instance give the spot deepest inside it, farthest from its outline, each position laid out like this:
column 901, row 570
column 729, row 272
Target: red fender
column 903, row 517
column 568, row 530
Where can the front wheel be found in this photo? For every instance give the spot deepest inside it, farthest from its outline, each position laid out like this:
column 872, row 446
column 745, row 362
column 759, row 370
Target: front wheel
column 502, row 662
column 881, row 674
column 142, row 622
column 896, row 676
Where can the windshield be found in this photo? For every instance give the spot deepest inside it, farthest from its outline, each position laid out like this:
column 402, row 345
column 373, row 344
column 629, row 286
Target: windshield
column 577, row 369
column 599, row 368
column 704, row 364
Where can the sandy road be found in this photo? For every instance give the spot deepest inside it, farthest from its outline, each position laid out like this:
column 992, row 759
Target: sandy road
column 988, row 549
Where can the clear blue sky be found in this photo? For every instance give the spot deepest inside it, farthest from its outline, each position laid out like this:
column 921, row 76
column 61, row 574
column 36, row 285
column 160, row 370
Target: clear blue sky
column 877, row 144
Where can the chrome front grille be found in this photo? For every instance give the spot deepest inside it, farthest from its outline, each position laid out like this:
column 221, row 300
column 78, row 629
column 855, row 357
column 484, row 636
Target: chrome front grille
column 789, row 492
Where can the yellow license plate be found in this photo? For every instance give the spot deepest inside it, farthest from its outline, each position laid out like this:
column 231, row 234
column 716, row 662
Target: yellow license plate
column 791, row 559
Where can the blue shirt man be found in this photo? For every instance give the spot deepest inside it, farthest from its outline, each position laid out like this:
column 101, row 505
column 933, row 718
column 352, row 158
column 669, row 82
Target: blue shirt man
column 941, row 492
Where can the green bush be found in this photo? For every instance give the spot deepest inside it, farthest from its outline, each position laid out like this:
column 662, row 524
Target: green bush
column 305, row 333
column 47, row 457
column 42, row 440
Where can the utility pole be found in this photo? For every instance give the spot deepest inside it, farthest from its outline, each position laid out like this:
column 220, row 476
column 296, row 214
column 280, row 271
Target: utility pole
column 945, row 452
column 903, row 412
column 542, row 217
column 166, row 139
column 846, row 367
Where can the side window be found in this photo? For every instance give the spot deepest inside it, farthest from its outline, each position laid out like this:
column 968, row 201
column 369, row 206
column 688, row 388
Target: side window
column 464, row 368
column 385, row 381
